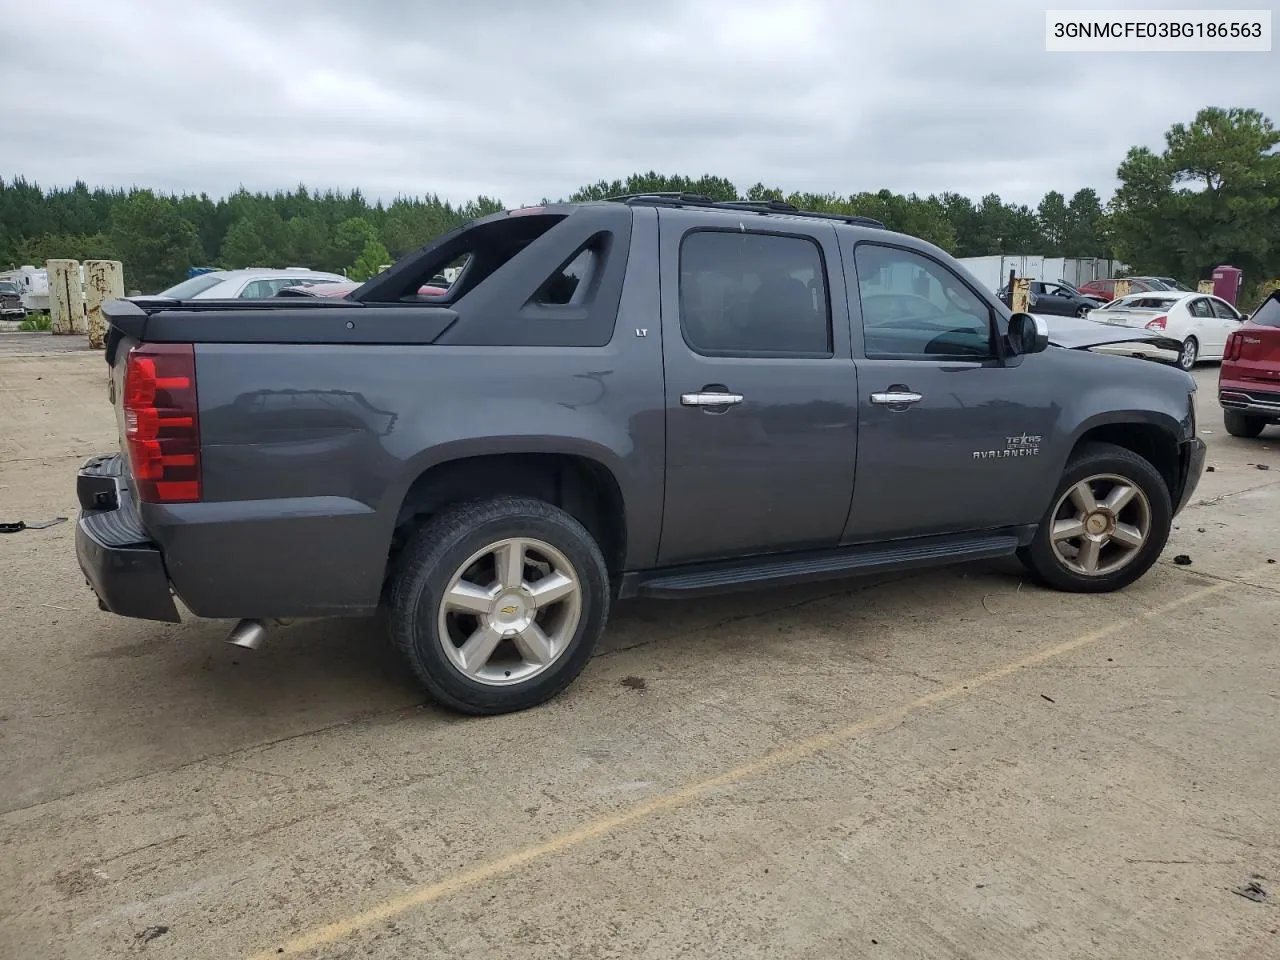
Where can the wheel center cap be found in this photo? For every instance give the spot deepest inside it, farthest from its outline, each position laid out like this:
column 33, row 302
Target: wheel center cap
column 1097, row 524
column 511, row 612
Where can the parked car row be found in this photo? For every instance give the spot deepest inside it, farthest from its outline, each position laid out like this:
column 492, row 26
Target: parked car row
column 253, row 283
column 1200, row 322
column 1105, row 290
column 344, row 288
column 1058, row 299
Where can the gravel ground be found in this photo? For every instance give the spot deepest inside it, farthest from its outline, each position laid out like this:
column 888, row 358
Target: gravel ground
column 950, row 764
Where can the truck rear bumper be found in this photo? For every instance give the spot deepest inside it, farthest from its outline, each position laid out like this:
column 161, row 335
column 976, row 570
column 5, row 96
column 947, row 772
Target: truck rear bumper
column 120, row 564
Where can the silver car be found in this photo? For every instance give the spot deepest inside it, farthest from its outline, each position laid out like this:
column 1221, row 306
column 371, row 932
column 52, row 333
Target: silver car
column 254, row 283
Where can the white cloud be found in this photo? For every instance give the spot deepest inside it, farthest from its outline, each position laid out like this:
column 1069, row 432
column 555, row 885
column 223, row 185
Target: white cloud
column 521, row 100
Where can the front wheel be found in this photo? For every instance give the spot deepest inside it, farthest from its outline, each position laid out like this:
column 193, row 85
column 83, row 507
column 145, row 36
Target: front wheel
column 1083, row 312
column 497, row 605
column 1240, row 425
column 1189, row 353
column 1109, row 519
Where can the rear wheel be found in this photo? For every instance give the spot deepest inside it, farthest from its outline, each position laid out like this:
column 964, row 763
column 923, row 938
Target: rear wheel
column 1109, row 520
column 497, row 605
column 1242, row 425
column 1083, row 311
column 1189, row 353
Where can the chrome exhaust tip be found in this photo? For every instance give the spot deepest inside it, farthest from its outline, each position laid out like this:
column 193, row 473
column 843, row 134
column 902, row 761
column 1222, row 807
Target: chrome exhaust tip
column 248, row 634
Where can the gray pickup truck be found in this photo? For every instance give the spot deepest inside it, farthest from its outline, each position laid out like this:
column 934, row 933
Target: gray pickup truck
column 657, row 396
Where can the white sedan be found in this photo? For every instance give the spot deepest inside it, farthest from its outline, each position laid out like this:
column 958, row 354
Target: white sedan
column 1201, row 322
column 252, row 283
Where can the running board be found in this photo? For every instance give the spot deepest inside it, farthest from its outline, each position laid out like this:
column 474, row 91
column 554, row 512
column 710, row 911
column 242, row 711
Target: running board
column 779, row 570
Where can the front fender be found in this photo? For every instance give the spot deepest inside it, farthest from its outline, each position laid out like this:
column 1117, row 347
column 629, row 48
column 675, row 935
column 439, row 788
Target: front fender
column 1110, row 395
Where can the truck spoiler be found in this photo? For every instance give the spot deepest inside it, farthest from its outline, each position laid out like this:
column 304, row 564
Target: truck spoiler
column 287, row 320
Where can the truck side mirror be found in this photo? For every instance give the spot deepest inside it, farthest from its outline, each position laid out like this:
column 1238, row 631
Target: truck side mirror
column 1027, row 333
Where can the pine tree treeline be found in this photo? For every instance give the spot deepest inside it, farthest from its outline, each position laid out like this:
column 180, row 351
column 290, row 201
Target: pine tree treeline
column 1211, row 197
column 159, row 236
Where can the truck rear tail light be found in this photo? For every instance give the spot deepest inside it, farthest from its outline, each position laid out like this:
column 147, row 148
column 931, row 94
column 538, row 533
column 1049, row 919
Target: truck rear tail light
column 162, row 422
column 1156, row 323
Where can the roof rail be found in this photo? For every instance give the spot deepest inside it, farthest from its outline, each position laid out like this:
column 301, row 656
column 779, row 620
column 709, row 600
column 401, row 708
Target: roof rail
column 674, row 198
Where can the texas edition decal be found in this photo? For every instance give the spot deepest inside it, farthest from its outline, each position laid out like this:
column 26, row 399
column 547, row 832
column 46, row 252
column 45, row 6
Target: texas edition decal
column 1020, row 446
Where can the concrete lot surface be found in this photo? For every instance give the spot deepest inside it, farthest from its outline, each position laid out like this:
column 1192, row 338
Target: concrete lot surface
column 953, row 764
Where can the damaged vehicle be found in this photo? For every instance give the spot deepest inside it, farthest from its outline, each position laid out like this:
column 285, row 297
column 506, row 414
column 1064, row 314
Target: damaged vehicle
column 11, row 306
column 1142, row 344
column 650, row 396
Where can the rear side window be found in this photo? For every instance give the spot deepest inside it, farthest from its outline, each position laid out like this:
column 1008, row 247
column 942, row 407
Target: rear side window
column 1200, row 308
column 754, row 294
column 571, row 284
column 1268, row 315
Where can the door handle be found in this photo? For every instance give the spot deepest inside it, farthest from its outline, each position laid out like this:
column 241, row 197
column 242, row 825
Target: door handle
column 896, row 398
column 710, row 399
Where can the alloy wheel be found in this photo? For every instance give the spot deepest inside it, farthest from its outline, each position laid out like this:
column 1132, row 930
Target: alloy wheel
column 1190, row 352
column 510, row 611
column 1100, row 524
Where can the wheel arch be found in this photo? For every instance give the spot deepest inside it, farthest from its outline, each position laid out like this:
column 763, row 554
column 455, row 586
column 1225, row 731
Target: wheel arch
column 1154, row 437
column 580, row 483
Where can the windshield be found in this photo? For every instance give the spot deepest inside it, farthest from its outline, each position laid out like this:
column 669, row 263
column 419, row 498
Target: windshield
column 8, row 287
column 189, row 288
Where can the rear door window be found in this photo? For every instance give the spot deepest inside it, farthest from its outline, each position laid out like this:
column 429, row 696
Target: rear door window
column 753, row 294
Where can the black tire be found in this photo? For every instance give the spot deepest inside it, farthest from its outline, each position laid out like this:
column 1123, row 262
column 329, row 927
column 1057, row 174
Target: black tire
column 1092, row 460
column 434, row 555
column 1242, row 425
column 1083, row 311
column 1189, row 356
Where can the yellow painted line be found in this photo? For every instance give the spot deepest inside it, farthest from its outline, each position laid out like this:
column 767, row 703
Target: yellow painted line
column 331, row 932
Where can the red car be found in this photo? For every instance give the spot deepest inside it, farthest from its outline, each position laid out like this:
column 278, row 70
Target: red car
column 1106, row 289
column 1249, row 378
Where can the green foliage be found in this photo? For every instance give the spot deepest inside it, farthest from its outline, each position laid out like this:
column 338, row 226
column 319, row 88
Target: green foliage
column 352, row 238
column 243, row 246
column 1211, row 196
column 36, row 250
column 154, row 242
column 1087, row 230
column 36, row 322
column 370, row 261
column 1052, row 214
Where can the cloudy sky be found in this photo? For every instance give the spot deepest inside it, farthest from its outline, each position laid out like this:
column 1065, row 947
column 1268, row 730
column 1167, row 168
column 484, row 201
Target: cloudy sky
column 521, row 100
